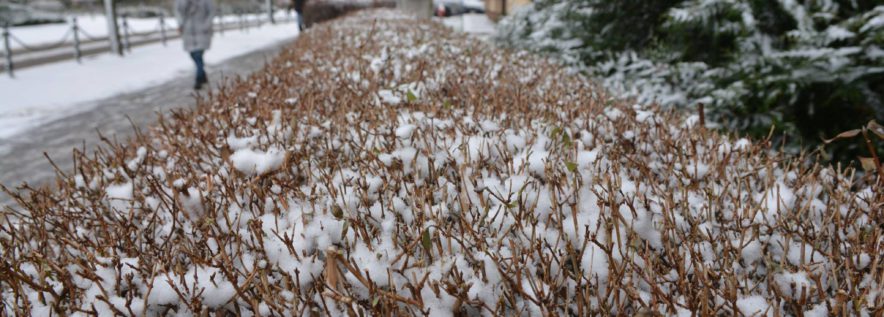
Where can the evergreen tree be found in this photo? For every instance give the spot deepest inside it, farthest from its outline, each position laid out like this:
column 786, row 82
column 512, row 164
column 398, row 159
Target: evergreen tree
column 811, row 68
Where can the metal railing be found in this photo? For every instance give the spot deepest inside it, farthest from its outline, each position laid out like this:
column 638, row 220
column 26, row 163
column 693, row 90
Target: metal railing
column 77, row 43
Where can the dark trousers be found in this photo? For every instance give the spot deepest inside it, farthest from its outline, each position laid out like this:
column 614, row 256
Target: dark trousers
column 197, row 57
column 301, row 25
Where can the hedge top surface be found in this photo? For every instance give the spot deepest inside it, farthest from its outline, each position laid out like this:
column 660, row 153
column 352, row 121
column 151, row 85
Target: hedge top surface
column 387, row 166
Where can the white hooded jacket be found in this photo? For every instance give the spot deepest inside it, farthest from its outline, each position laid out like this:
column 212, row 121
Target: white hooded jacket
column 195, row 19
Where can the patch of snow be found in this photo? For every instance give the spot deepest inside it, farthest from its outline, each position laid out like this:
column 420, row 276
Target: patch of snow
column 753, row 306
column 255, row 162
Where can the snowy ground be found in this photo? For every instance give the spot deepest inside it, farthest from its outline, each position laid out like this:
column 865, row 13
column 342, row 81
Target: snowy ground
column 95, row 26
column 40, row 94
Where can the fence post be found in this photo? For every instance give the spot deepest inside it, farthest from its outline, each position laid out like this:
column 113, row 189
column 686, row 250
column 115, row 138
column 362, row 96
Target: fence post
column 126, row 44
column 220, row 24
column 9, row 66
column 113, row 33
column 270, row 11
column 163, row 27
column 77, row 53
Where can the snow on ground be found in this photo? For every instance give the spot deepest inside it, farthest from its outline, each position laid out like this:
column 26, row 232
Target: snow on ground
column 96, row 26
column 93, row 25
column 43, row 93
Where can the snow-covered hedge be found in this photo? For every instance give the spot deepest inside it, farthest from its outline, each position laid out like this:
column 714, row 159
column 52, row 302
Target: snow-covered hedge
column 387, row 166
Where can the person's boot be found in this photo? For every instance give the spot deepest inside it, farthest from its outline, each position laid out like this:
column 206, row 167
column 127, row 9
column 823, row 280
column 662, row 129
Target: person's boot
column 200, row 81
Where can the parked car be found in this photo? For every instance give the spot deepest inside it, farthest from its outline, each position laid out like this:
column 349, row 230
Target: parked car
column 46, row 5
column 474, row 6
column 456, row 7
column 16, row 14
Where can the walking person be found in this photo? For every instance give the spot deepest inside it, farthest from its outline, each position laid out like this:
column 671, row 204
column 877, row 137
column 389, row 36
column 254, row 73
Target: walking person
column 195, row 24
column 298, row 5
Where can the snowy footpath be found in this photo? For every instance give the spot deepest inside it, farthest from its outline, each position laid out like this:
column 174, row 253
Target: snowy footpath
column 41, row 94
column 57, row 107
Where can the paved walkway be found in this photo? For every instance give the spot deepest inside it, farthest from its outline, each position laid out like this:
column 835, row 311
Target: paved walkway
column 21, row 157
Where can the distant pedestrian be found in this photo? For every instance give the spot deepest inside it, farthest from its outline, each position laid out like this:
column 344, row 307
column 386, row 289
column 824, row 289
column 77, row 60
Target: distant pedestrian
column 195, row 24
column 298, row 5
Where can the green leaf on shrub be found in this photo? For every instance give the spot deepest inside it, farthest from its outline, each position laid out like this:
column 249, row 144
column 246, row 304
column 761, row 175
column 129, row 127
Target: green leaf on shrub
column 411, row 97
column 555, row 133
column 571, row 166
column 425, row 240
